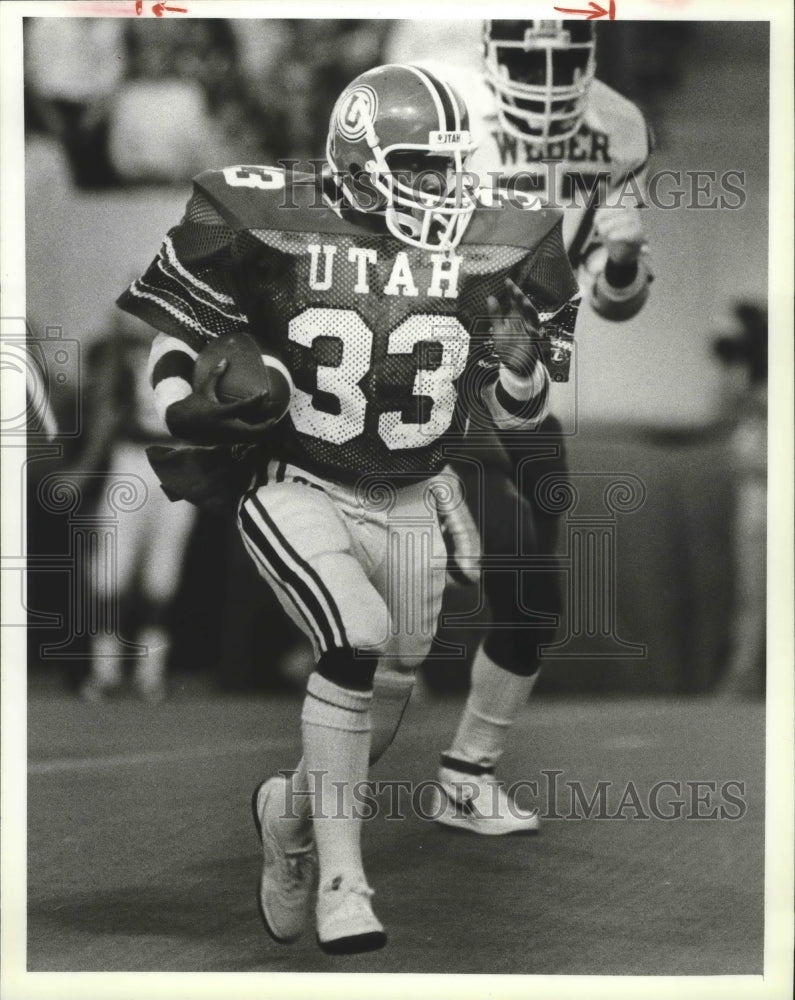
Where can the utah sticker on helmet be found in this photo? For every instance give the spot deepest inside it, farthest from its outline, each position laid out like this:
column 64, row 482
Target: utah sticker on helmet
column 460, row 141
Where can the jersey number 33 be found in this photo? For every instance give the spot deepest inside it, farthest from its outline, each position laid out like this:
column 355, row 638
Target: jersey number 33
column 343, row 380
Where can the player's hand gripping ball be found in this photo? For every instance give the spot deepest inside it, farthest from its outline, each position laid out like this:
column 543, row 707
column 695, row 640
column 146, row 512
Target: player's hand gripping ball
column 246, row 375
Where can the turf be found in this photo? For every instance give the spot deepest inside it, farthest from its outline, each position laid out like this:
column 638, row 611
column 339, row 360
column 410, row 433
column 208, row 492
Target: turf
column 142, row 854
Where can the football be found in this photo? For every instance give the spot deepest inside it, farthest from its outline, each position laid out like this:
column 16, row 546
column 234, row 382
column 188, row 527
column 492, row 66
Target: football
column 249, row 373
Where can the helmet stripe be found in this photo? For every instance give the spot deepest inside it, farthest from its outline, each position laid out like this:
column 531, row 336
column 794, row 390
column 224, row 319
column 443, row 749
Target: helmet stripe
column 435, row 94
column 450, row 105
column 449, row 101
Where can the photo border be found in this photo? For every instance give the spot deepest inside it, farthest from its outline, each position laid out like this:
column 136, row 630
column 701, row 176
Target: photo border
column 776, row 982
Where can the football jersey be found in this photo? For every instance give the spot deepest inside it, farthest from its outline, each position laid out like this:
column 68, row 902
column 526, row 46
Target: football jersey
column 380, row 337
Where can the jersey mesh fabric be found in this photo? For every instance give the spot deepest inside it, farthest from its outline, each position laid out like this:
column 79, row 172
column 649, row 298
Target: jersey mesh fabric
column 185, row 291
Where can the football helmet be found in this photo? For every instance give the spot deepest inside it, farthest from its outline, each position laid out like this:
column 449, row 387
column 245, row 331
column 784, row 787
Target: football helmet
column 541, row 72
column 398, row 144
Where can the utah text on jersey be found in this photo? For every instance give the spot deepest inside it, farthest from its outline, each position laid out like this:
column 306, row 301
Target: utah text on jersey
column 360, row 266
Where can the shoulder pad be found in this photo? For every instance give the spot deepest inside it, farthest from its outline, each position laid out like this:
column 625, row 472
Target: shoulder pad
column 259, row 197
column 624, row 123
column 507, row 224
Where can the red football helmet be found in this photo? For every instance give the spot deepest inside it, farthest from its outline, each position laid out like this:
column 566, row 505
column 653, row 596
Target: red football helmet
column 541, row 72
column 398, row 143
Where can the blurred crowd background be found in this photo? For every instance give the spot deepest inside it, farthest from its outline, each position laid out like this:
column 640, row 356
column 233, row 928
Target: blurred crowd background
column 165, row 99
column 121, row 113
column 172, row 97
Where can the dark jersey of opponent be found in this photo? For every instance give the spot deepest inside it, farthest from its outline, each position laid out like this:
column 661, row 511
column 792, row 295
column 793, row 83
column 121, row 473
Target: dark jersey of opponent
column 379, row 336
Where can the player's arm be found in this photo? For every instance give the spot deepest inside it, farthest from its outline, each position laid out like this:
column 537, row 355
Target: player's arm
column 170, row 371
column 519, row 397
column 542, row 303
column 193, row 412
column 185, row 292
column 186, row 296
column 615, row 266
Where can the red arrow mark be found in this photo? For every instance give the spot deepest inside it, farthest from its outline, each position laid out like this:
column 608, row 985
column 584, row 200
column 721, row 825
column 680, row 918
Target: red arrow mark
column 597, row 10
column 158, row 9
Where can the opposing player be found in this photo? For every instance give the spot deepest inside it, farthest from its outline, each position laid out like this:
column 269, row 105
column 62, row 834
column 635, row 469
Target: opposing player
column 371, row 283
column 547, row 130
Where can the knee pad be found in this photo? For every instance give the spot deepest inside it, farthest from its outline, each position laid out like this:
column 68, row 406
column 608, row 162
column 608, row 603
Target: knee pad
column 360, row 607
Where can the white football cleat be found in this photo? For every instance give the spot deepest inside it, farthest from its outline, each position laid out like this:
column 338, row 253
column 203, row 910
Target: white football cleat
column 346, row 923
column 289, row 871
column 479, row 804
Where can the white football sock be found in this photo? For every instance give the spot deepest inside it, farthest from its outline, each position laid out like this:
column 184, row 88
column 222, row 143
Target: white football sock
column 336, row 734
column 495, row 699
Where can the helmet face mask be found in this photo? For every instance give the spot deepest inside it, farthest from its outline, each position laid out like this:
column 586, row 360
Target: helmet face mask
column 426, row 201
column 399, row 143
column 541, row 73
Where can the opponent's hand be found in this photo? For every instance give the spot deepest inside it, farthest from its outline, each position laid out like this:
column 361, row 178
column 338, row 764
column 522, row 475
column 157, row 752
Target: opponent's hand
column 516, row 330
column 203, row 419
column 621, row 232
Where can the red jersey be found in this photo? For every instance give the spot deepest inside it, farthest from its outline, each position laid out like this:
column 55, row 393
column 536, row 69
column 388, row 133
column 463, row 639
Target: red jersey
column 381, row 338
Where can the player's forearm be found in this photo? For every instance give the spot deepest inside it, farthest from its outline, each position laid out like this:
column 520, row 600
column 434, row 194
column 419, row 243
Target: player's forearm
column 518, row 402
column 619, row 292
column 617, row 269
column 170, row 371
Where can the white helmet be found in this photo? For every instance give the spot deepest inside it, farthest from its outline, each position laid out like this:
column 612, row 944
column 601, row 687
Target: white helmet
column 541, row 73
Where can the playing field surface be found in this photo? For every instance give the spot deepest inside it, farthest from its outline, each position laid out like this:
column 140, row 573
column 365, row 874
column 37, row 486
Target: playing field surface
column 142, row 855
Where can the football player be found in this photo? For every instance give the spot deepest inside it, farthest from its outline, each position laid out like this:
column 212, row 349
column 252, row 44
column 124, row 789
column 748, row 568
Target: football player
column 151, row 542
column 547, row 129
column 391, row 291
